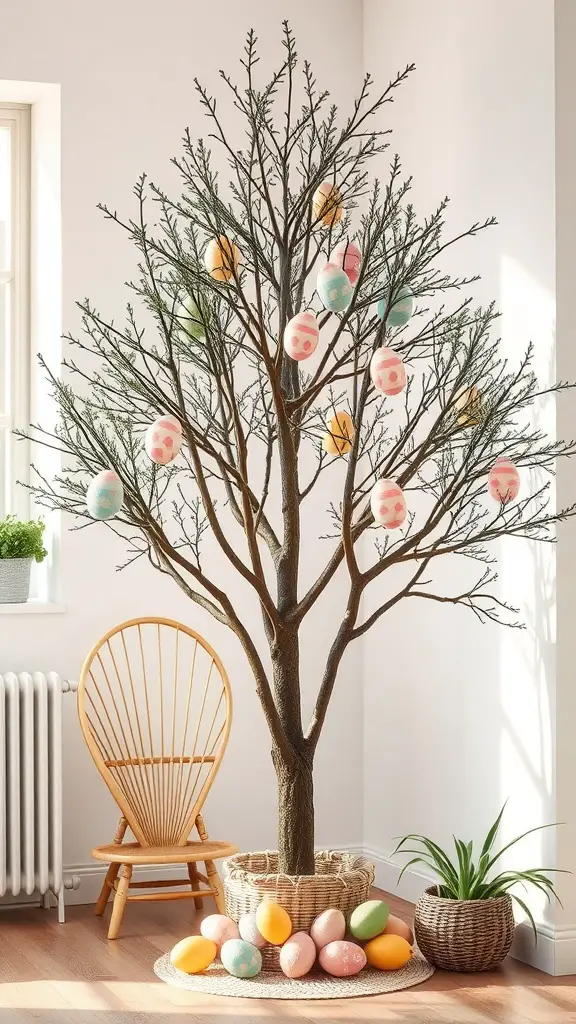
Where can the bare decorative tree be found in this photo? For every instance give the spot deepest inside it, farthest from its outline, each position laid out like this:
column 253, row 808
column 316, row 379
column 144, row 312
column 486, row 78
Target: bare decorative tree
column 249, row 413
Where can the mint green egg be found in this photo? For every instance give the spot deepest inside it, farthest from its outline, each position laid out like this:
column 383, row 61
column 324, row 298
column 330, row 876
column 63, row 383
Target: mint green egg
column 401, row 309
column 190, row 319
column 369, row 919
column 241, row 959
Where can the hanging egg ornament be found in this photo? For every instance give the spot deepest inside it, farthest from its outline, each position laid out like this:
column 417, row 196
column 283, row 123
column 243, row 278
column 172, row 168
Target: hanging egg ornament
column 348, row 256
column 190, row 319
column 163, row 440
column 334, row 288
column 327, row 204
column 222, row 258
column 401, row 309
column 105, row 495
column 338, row 440
column 301, row 336
column 388, row 504
column 387, row 371
column 470, row 407
column 503, row 481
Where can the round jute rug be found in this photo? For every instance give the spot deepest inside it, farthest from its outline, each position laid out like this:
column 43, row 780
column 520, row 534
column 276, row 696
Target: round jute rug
column 217, row 982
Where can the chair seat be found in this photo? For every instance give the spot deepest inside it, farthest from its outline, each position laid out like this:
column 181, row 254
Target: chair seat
column 133, row 853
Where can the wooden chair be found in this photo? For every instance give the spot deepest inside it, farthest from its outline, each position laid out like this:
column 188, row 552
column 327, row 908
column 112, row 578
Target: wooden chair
column 155, row 708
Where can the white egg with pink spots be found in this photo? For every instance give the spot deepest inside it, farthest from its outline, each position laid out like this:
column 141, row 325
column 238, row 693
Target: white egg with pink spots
column 387, row 371
column 163, row 440
column 388, row 504
column 301, row 336
column 503, row 481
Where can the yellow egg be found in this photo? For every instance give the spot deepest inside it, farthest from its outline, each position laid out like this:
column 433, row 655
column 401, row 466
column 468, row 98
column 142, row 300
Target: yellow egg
column 193, row 954
column 388, row 952
column 273, row 923
column 470, row 405
column 327, row 204
column 338, row 440
column 222, row 258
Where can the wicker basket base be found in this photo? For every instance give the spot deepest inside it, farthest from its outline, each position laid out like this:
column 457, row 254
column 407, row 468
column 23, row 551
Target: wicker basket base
column 217, row 982
column 342, row 881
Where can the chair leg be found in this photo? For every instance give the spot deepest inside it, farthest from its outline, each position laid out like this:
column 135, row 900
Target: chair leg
column 111, row 873
column 216, row 885
column 120, row 901
column 195, row 884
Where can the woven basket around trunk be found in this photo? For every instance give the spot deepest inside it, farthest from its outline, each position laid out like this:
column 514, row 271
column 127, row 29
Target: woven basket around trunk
column 464, row 935
column 342, row 881
column 14, row 580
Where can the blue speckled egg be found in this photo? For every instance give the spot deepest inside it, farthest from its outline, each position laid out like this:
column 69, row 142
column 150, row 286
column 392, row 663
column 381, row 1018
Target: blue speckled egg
column 401, row 310
column 105, row 495
column 241, row 959
column 334, row 288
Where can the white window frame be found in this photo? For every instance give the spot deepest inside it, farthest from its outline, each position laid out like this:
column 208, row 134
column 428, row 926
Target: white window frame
column 16, row 117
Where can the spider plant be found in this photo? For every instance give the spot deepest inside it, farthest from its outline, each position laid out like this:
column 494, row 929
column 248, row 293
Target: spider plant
column 463, row 879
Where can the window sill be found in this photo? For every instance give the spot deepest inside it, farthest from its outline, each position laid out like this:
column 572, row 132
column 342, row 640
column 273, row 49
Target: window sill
column 33, row 607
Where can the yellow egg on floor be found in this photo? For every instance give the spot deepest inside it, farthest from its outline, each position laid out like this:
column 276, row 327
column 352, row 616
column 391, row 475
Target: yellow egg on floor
column 388, row 952
column 273, row 923
column 193, row 954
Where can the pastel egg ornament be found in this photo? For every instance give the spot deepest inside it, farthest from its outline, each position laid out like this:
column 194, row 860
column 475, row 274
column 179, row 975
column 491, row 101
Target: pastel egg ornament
column 388, row 952
column 219, row 929
column 347, row 255
column 470, row 408
column 190, row 319
column 329, row 926
column 221, row 259
column 327, row 204
column 503, row 481
column 387, row 371
column 193, row 954
column 301, row 336
column 388, row 504
column 401, row 309
column 334, row 288
column 241, row 959
column 273, row 923
column 249, row 931
column 105, row 495
column 369, row 919
column 342, row 959
column 163, row 440
column 297, row 955
column 340, row 436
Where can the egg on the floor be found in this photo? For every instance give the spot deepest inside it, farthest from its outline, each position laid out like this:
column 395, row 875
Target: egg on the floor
column 329, row 926
column 219, row 928
column 396, row 926
column 369, row 919
column 273, row 923
column 388, row 952
column 193, row 954
column 249, row 930
column 297, row 955
column 342, row 959
column 241, row 959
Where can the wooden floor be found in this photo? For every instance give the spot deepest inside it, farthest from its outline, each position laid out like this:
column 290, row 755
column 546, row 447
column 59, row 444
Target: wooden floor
column 71, row 974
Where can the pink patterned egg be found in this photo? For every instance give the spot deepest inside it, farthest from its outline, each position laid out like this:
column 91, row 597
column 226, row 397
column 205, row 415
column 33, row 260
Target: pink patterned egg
column 219, row 928
column 297, row 955
column 503, row 481
column 249, row 931
column 348, row 256
column 330, row 926
column 342, row 959
column 301, row 336
column 388, row 504
column 163, row 440
column 387, row 371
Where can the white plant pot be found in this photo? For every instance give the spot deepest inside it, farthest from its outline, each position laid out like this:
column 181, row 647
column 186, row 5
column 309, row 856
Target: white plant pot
column 14, row 580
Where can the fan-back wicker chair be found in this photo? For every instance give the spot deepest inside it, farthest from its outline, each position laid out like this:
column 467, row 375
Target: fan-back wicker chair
column 155, row 708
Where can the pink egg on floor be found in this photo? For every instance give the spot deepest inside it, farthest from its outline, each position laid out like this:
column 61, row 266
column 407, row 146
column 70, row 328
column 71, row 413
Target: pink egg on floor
column 219, row 928
column 301, row 336
column 297, row 955
column 348, row 256
column 249, row 931
column 388, row 504
column 163, row 440
column 329, row 926
column 503, row 481
column 342, row 959
column 387, row 371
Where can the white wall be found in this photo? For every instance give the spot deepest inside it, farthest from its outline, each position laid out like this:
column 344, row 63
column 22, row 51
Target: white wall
column 458, row 716
column 126, row 71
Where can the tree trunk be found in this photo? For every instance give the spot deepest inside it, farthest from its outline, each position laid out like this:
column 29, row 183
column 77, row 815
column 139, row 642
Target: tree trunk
column 295, row 814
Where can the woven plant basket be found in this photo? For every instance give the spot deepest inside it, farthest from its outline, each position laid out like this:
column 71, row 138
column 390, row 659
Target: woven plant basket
column 464, row 935
column 342, row 881
column 14, row 580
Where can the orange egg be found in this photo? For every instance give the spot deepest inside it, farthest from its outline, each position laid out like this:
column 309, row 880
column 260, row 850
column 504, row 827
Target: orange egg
column 273, row 923
column 327, row 204
column 222, row 258
column 338, row 440
column 470, row 407
column 388, row 952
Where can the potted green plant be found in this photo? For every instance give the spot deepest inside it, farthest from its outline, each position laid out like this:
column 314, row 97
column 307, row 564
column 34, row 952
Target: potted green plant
column 20, row 543
column 466, row 922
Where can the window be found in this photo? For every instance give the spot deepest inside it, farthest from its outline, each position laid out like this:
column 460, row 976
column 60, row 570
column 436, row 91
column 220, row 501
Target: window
column 14, row 303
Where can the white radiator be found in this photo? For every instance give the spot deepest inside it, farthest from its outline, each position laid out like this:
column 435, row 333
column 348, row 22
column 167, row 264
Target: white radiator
column 31, row 786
